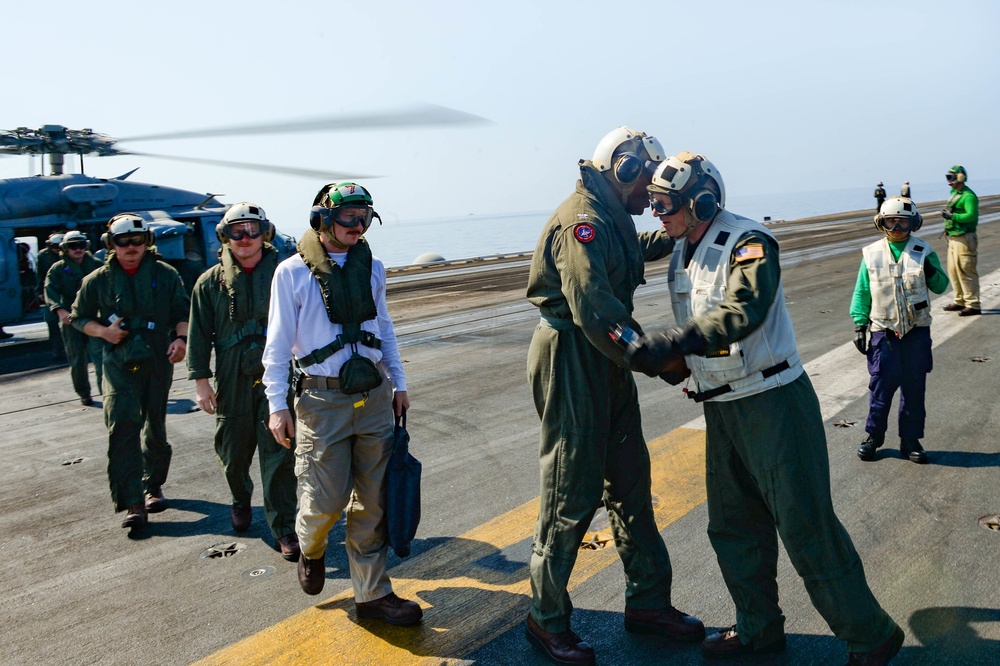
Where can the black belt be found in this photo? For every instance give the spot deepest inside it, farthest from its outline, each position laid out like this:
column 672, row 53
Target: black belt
column 319, row 382
column 726, row 388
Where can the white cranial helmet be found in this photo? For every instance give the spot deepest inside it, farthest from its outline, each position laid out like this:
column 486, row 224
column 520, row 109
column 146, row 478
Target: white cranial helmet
column 898, row 207
column 628, row 166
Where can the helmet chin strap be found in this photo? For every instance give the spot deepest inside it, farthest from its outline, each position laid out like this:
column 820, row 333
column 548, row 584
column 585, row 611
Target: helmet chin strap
column 331, row 238
column 690, row 222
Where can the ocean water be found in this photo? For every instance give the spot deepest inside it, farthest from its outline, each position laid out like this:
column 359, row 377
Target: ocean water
column 401, row 242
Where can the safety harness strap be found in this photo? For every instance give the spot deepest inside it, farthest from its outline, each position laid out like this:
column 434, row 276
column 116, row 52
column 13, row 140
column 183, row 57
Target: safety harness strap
column 326, row 351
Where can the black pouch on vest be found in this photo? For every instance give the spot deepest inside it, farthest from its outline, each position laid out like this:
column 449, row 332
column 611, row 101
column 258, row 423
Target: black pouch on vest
column 135, row 348
column 252, row 364
column 359, row 375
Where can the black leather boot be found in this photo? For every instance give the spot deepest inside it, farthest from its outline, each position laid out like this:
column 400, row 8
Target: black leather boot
column 911, row 449
column 867, row 449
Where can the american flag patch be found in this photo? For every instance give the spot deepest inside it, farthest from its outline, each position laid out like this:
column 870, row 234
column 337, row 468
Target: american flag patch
column 748, row 252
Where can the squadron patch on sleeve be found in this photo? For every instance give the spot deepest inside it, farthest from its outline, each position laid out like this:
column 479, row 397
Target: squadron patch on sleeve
column 584, row 233
column 748, row 252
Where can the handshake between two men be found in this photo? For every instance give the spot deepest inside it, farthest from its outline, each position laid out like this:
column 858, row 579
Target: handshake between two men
column 660, row 354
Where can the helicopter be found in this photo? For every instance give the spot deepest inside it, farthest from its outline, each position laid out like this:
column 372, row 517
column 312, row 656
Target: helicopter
column 183, row 222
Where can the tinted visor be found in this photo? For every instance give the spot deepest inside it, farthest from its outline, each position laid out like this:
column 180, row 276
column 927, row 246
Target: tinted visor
column 243, row 229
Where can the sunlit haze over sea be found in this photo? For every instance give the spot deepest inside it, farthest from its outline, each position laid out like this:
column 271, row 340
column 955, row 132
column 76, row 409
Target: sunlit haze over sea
column 400, row 242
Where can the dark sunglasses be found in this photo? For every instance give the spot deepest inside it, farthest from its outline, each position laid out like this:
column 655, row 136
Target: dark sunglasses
column 677, row 202
column 135, row 240
column 76, row 246
column 231, row 232
column 951, row 177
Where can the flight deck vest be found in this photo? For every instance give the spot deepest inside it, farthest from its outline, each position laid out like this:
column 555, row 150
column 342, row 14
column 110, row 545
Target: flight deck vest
column 347, row 294
column 764, row 359
column 899, row 288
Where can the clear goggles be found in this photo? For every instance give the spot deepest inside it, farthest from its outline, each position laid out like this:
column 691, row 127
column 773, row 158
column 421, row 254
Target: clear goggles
column 897, row 224
column 135, row 240
column 675, row 202
column 349, row 216
column 243, row 229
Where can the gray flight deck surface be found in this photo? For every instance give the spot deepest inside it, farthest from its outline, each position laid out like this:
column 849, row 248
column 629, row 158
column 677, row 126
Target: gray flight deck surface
column 78, row 590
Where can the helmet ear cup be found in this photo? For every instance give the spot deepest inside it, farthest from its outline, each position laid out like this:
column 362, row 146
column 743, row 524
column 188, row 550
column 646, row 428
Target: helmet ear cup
column 960, row 176
column 628, row 167
column 316, row 217
column 106, row 241
column 704, row 205
column 268, row 231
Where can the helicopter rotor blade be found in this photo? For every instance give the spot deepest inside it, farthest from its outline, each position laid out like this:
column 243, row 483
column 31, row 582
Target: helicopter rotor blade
column 266, row 168
column 422, row 115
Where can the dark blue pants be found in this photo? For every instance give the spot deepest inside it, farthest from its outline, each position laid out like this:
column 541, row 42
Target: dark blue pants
column 899, row 363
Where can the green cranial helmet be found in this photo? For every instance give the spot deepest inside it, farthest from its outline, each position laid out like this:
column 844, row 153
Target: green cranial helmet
column 347, row 194
column 334, row 197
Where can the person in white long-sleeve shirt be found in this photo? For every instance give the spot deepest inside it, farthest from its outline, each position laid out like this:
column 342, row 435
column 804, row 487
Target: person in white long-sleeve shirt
column 328, row 313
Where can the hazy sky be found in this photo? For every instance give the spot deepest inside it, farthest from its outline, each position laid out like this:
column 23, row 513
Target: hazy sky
column 781, row 96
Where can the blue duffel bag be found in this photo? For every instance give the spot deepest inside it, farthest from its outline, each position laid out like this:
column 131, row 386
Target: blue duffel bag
column 402, row 505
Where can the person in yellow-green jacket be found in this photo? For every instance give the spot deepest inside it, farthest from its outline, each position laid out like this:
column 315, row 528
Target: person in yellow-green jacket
column 891, row 300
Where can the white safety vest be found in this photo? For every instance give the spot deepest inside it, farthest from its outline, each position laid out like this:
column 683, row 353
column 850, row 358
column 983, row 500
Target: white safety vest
column 764, row 359
column 899, row 288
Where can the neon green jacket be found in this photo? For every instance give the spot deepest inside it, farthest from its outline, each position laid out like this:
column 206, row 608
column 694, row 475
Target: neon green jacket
column 964, row 207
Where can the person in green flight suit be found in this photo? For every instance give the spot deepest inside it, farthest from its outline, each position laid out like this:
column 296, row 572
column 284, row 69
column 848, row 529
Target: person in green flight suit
column 584, row 273
column 61, row 285
column 48, row 256
column 766, row 461
column 229, row 312
column 961, row 220
column 137, row 304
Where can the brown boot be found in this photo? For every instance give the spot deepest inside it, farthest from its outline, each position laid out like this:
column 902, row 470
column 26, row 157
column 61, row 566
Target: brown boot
column 562, row 648
column 289, row 547
column 881, row 655
column 727, row 644
column 155, row 502
column 312, row 574
column 391, row 609
column 136, row 517
column 668, row 622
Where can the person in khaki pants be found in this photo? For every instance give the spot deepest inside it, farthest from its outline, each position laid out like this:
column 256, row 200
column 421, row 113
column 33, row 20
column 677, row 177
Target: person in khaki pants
column 961, row 219
column 328, row 312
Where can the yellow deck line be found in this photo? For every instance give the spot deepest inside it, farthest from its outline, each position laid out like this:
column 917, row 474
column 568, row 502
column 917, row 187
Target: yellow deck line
column 466, row 602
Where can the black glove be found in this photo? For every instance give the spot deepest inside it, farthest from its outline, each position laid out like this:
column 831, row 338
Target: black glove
column 657, row 350
column 861, row 339
column 929, row 270
column 946, row 214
